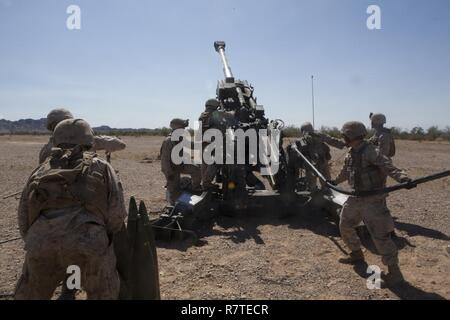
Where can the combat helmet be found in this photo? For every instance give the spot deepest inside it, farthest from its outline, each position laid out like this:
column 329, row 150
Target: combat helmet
column 353, row 130
column 73, row 132
column 307, row 127
column 211, row 105
column 378, row 119
column 178, row 123
column 56, row 116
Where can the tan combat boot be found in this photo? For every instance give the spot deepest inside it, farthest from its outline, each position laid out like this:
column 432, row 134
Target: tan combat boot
column 355, row 257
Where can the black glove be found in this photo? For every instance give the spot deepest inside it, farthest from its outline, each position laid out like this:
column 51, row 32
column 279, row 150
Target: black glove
column 408, row 182
column 405, row 180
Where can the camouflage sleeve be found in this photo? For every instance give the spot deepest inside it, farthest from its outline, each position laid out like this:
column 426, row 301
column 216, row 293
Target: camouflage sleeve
column 108, row 143
column 204, row 119
column 373, row 140
column 332, row 141
column 45, row 151
column 166, row 162
column 384, row 143
column 343, row 175
column 116, row 204
column 376, row 158
column 23, row 213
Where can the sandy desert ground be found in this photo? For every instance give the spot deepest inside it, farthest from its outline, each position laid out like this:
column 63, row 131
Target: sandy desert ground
column 262, row 257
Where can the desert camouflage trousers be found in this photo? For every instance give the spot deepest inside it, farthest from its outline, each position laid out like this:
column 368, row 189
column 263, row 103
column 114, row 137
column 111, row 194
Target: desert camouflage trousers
column 377, row 218
column 173, row 180
column 208, row 171
column 311, row 178
column 54, row 244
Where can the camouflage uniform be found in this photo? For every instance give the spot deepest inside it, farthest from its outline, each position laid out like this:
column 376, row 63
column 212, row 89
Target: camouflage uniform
column 366, row 169
column 107, row 143
column 384, row 141
column 46, row 150
column 383, row 137
column 70, row 224
column 208, row 172
column 315, row 146
column 171, row 171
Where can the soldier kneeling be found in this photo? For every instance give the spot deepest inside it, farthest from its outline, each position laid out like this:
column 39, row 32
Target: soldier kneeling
column 70, row 208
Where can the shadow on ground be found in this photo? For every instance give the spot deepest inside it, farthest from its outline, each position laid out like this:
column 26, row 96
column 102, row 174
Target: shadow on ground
column 240, row 229
column 415, row 230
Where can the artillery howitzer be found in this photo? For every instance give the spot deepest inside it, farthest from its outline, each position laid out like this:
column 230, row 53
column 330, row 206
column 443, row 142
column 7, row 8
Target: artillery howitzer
column 240, row 191
column 239, row 110
column 237, row 96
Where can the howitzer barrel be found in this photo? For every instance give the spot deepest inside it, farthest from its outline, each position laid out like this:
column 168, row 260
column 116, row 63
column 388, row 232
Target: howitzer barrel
column 220, row 48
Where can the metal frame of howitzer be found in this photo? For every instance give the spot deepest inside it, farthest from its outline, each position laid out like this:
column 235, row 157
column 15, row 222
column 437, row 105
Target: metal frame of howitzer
column 239, row 110
column 234, row 197
column 177, row 222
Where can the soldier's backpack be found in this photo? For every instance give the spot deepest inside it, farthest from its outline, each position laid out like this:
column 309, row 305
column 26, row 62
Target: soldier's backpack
column 62, row 182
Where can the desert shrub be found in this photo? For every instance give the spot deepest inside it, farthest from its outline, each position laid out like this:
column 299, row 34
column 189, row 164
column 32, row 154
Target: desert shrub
column 291, row 132
column 433, row 133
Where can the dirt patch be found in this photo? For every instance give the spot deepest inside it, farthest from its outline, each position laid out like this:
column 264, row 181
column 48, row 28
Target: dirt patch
column 262, row 257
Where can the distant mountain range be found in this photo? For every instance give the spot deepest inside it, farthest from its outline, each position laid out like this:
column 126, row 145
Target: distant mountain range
column 39, row 127
column 23, row 126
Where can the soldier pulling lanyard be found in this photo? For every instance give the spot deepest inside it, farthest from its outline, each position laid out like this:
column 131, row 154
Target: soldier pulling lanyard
column 407, row 185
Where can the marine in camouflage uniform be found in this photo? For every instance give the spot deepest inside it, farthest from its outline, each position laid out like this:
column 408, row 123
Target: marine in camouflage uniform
column 106, row 143
column 382, row 137
column 208, row 172
column 173, row 171
column 384, row 141
column 70, row 208
column 365, row 168
column 315, row 146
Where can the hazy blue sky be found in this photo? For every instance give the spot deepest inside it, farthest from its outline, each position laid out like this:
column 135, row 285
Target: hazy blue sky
column 140, row 63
